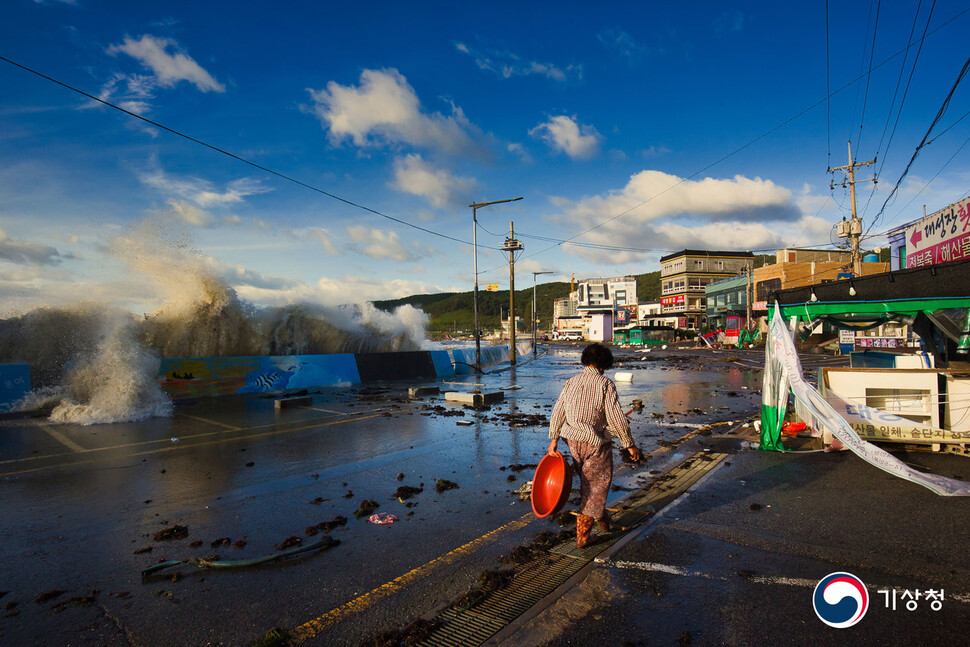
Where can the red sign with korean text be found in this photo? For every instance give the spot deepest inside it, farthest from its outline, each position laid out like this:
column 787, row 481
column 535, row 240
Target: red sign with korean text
column 941, row 237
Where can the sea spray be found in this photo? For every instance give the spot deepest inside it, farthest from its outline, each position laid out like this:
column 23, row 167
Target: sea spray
column 97, row 363
column 115, row 383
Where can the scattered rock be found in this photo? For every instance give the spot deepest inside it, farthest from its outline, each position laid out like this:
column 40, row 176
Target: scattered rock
column 225, row 541
column 142, row 551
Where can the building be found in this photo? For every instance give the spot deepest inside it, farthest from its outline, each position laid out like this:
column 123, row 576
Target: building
column 596, row 306
column 684, row 276
column 727, row 302
column 566, row 321
column 800, row 267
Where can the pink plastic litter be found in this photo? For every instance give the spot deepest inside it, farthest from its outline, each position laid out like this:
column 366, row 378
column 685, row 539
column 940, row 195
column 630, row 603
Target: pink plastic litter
column 381, row 518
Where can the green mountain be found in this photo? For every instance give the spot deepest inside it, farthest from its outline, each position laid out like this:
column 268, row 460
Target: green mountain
column 454, row 311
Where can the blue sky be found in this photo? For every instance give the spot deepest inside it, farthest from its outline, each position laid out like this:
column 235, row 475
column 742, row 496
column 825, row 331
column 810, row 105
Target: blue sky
column 630, row 130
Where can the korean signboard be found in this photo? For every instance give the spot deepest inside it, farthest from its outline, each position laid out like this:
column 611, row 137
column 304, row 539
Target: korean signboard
column 940, row 237
column 674, row 300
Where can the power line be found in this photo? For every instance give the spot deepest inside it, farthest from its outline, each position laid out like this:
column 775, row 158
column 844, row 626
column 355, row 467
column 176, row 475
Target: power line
column 872, row 53
column 265, row 169
column 936, row 120
column 909, row 82
column 828, row 96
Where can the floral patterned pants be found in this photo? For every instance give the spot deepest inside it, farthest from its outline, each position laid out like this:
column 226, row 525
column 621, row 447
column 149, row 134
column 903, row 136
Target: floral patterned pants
column 595, row 468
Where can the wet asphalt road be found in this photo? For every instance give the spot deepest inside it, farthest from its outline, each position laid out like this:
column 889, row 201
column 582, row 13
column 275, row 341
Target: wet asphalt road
column 81, row 505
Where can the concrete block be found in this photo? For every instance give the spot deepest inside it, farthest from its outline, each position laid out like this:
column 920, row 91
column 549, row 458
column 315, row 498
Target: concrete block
column 421, row 391
column 474, row 399
column 471, row 399
column 287, row 403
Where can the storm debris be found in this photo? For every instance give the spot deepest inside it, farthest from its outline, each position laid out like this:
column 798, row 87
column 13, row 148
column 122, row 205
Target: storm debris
column 289, row 542
column 47, row 596
column 414, row 633
column 444, row 485
column 519, row 467
column 407, row 491
column 489, row 580
column 77, row 601
column 367, row 507
column 169, row 534
column 326, row 527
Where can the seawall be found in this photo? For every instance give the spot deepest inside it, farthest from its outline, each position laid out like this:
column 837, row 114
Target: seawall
column 194, row 377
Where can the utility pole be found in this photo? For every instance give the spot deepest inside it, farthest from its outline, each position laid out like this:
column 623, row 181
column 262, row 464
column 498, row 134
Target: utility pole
column 478, row 332
column 852, row 229
column 535, row 338
column 747, row 298
column 512, row 246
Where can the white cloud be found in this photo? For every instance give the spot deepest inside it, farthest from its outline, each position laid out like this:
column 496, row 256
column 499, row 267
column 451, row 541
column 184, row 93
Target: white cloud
column 506, row 65
column 563, row 134
column 323, row 237
column 384, row 110
column 336, row 291
column 661, row 212
column 169, row 67
column 381, row 245
column 201, row 192
column 439, row 187
column 133, row 92
column 24, row 253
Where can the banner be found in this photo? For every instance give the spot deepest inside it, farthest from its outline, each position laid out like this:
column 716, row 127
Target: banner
column 782, row 364
column 875, row 424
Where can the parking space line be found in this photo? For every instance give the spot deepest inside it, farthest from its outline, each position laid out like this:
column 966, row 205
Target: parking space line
column 169, row 446
column 62, row 439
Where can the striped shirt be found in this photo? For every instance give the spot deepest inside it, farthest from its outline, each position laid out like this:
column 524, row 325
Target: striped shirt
column 587, row 409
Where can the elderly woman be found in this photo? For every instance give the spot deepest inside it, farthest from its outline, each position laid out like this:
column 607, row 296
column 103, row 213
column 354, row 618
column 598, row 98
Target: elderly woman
column 588, row 415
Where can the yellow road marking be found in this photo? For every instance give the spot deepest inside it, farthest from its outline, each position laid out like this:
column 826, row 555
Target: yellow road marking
column 171, row 447
column 62, row 439
column 312, row 628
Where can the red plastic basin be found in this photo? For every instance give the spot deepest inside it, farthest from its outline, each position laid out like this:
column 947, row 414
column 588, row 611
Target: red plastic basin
column 551, row 485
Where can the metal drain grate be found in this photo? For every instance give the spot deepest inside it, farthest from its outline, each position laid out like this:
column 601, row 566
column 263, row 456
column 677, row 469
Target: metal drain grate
column 537, row 579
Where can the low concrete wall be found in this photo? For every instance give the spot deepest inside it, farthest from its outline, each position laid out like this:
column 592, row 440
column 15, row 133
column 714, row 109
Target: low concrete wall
column 14, row 384
column 194, row 377
column 463, row 359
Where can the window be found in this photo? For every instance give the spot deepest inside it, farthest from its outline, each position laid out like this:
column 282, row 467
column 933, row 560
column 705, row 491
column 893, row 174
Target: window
column 765, row 287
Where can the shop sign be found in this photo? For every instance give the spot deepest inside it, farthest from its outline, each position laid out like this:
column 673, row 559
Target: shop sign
column 940, row 237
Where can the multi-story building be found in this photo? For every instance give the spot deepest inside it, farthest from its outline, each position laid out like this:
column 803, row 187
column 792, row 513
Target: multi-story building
column 684, row 276
column 604, row 303
column 566, row 321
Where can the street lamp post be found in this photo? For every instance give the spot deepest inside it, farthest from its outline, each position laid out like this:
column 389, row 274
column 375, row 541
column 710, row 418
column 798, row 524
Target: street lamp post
column 478, row 336
column 534, row 337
